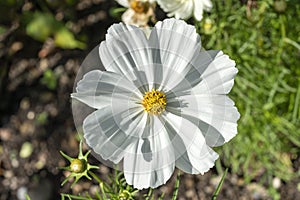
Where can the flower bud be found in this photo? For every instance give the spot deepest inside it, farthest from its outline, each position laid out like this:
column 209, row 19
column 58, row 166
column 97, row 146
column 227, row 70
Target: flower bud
column 207, row 26
column 124, row 195
column 78, row 165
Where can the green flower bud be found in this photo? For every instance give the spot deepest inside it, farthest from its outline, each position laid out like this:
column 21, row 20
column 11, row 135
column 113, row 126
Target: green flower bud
column 124, row 195
column 78, row 165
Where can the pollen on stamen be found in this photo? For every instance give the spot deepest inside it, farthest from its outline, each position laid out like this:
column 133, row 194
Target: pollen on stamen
column 139, row 6
column 154, row 102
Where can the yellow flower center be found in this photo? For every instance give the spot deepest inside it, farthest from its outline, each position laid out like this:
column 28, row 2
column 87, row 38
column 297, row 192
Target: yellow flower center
column 154, row 102
column 139, row 6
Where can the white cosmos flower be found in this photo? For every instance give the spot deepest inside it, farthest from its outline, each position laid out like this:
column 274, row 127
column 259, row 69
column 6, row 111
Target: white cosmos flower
column 138, row 13
column 184, row 9
column 160, row 104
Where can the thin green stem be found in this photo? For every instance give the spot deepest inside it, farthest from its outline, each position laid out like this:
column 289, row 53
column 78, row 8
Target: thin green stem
column 66, row 156
column 175, row 193
column 161, row 196
column 149, row 194
column 101, row 183
column 74, row 197
column 218, row 189
column 103, row 190
column 296, row 107
column 27, row 197
column 291, row 42
column 95, row 177
column 98, row 195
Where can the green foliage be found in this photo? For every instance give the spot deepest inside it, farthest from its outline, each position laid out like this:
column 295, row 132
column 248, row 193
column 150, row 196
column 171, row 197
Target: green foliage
column 218, row 189
column 42, row 118
column 39, row 21
column 117, row 188
column 61, row 3
column 11, row 3
column 65, row 39
column 42, row 25
column 79, row 167
column 116, row 12
column 49, row 79
column 2, row 29
column 175, row 193
column 264, row 42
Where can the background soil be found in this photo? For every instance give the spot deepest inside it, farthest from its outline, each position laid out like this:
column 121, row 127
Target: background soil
column 31, row 113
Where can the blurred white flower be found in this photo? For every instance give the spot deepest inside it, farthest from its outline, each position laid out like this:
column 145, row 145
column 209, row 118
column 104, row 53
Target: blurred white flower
column 161, row 103
column 139, row 11
column 184, row 9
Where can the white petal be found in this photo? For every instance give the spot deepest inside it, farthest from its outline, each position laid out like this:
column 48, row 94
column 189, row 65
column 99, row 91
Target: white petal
column 143, row 173
column 181, row 9
column 185, row 11
column 127, row 16
column 215, row 115
column 207, row 5
column 169, row 5
column 198, row 157
column 129, row 38
column 151, row 161
column 198, row 11
column 109, row 136
column 124, row 3
column 151, row 179
column 98, row 89
column 212, row 72
column 174, row 56
column 166, row 36
column 200, row 6
column 125, row 51
column 196, row 67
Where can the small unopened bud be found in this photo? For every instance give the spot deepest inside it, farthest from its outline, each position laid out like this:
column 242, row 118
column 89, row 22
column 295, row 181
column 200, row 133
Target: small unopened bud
column 124, row 195
column 78, row 165
column 208, row 24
